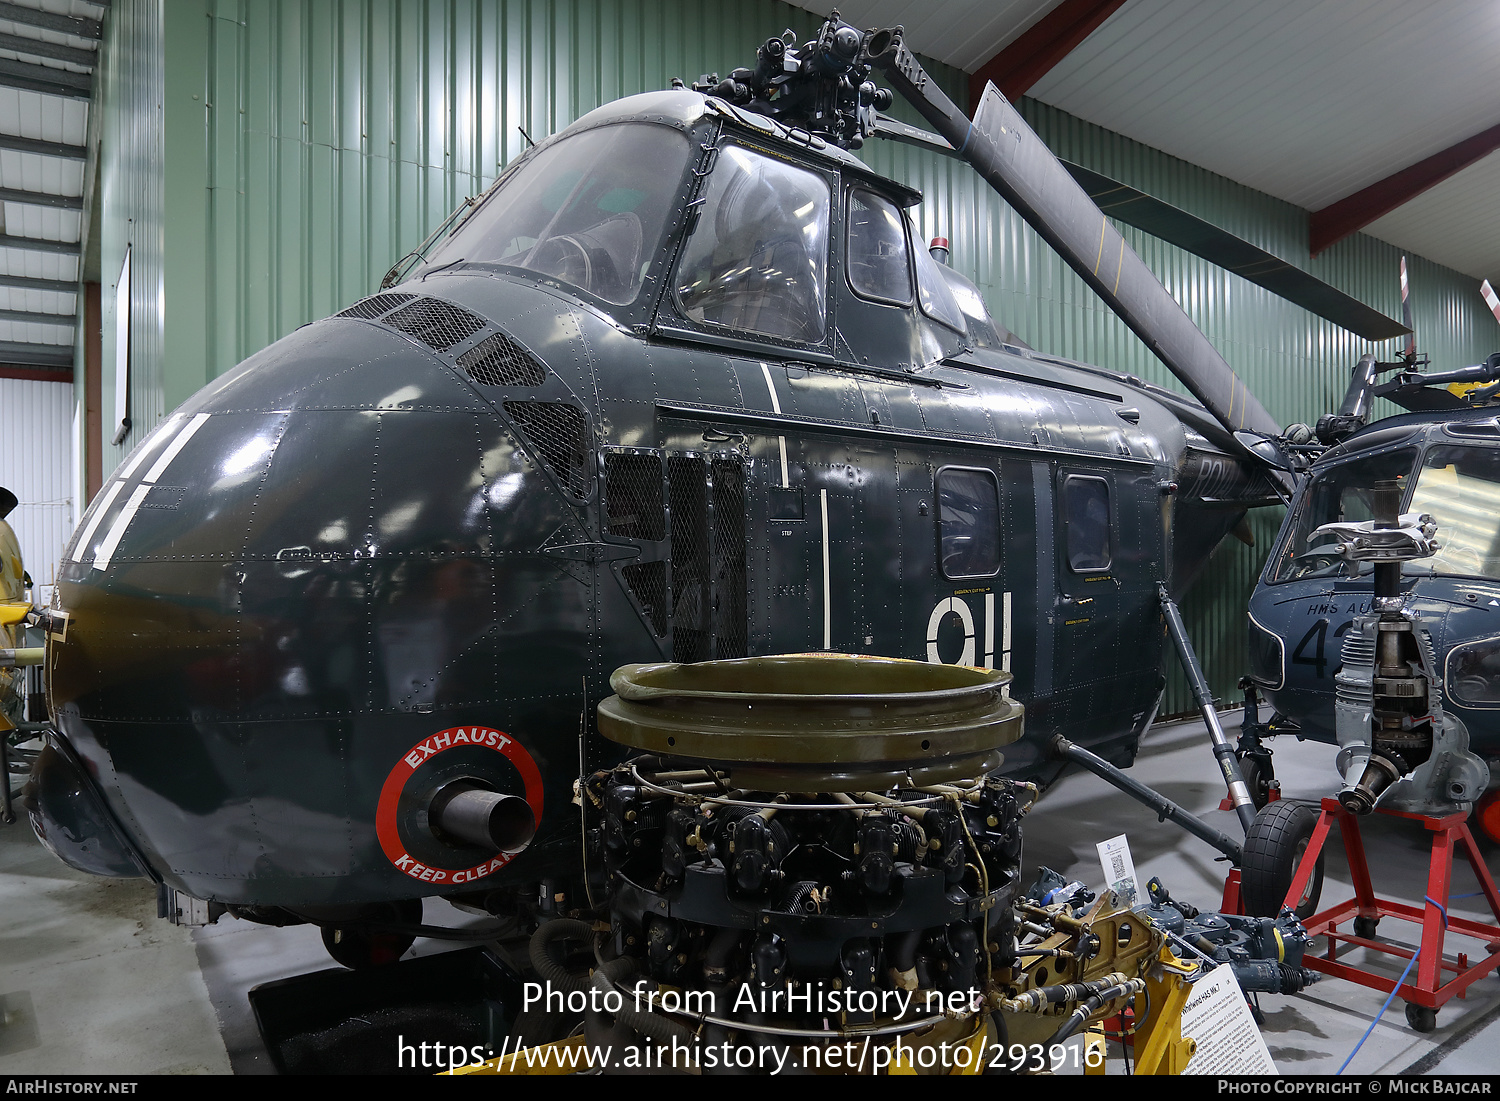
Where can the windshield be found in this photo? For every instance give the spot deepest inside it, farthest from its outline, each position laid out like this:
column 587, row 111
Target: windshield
column 758, row 257
column 1343, row 494
column 589, row 210
column 1460, row 488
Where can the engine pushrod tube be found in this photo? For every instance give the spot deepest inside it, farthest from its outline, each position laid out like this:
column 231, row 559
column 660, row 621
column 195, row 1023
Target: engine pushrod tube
column 1229, row 765
column 1164, row 807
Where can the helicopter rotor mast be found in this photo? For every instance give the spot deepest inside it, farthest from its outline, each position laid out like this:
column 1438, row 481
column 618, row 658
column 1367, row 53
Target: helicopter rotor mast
column 1003, row 149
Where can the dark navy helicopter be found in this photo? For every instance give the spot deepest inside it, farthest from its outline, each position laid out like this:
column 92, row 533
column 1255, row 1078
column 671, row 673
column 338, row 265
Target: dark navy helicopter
column 1440, row 458
column 683, row 385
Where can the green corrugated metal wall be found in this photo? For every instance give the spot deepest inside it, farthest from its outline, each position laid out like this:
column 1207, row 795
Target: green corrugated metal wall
column 309, row 143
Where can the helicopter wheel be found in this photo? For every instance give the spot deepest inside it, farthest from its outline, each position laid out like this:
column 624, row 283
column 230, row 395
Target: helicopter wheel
column 1258, row 776
column 1272, row 852
column 358, row 948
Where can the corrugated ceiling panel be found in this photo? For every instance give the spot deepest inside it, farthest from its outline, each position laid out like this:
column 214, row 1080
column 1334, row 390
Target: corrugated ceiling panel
column 48, row 118
column 29, row 332
column 1456, row 216
column 1307, row 100
column 38, row 265
column 34, row 172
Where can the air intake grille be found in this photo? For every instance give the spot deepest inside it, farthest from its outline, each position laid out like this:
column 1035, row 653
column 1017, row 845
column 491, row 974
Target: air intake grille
column 560, row 435
column 500, row 361
column 633, row 498
column 371, row 308
column 437, row 324
column 689, row 495
column 731, row 628
column 648, row 584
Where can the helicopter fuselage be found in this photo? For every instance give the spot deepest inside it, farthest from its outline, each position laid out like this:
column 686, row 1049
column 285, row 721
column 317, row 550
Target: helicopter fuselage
column 405, row 546
column 1449, row 465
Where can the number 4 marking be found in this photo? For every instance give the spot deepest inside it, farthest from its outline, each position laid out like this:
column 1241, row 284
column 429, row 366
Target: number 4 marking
column 1318, row 661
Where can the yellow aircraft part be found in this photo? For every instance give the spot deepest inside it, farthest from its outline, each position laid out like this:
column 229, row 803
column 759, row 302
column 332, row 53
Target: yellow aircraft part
column 555, row 1058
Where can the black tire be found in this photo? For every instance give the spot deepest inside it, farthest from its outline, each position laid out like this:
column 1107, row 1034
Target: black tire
column 1273, row 849
column 358, row 948
column 1420, row 1017
column 1365, row 927
column 1257, row 775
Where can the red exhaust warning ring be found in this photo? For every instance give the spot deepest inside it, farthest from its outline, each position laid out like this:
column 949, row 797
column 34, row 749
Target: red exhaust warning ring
column 395, row 783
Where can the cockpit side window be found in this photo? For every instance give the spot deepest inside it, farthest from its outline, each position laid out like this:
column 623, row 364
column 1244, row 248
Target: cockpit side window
column 1460, row 488
column 934, row 294
column 589, row 210
column 876, row 259
column 757, row 260
column 1341, row 494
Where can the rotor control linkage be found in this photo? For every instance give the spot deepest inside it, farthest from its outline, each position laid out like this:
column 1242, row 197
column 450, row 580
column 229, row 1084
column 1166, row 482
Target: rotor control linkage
column 1239, row 793
column 1165, row 809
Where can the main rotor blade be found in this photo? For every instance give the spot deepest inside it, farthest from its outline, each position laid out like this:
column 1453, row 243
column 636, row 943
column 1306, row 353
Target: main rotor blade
column 1003, row 149
column 1202, row 238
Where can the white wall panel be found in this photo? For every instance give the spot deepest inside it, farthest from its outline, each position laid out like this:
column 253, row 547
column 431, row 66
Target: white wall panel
column 36, row 464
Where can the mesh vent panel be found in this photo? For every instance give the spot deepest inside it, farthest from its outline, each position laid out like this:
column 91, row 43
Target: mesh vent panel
column 690, row 621
column 730, row 620
column 370, row 308
column 437, row 324
column 560, row 435
column 648, row 584
column 633, row 500
column 500, row 361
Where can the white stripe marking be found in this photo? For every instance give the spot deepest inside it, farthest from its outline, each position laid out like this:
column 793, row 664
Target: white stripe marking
column 88, row 532
column 989, row 630
column 827, row 587
column 146, row 446
column 765, row 369
column 160, row 466
column 117, row 531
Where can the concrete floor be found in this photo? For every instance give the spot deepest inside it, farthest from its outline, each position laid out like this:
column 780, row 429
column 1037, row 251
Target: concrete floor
column 92, row 982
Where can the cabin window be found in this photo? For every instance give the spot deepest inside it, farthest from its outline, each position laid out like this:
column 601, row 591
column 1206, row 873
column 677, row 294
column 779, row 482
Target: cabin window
column 1089, row 542
column 1473, row 675
column 757, row 259
column 877, row 261
column 589, row 210
column 968, row 522
column 1460, row 488
column 1341, row 494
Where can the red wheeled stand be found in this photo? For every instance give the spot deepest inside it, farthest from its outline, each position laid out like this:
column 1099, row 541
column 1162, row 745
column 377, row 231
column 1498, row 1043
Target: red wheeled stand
column 1428, row 992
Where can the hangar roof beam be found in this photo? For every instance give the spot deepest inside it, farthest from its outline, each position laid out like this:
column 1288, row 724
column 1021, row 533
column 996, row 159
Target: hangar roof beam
column 1045, row 43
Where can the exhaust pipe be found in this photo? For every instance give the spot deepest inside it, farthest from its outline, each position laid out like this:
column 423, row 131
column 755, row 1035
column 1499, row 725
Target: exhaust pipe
column 468, row 813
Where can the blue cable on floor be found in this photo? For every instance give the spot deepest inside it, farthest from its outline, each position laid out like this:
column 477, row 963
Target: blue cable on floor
column 1441, row 909
column 1381, row 1014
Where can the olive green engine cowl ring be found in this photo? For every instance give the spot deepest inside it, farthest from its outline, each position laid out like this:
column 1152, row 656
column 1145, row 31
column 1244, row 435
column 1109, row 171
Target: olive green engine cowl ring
column 818, row 722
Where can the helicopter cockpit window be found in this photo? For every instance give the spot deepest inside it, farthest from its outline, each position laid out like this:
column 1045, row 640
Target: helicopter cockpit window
column 1343, row 494
column 934, row 294
column 877, row 260
column 968, row 522
column 758, row 257
column 589, row 210
column 1089, row 544
column 1460, row 488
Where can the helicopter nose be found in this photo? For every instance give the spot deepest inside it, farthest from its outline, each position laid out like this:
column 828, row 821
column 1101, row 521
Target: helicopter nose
column 317, row 562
